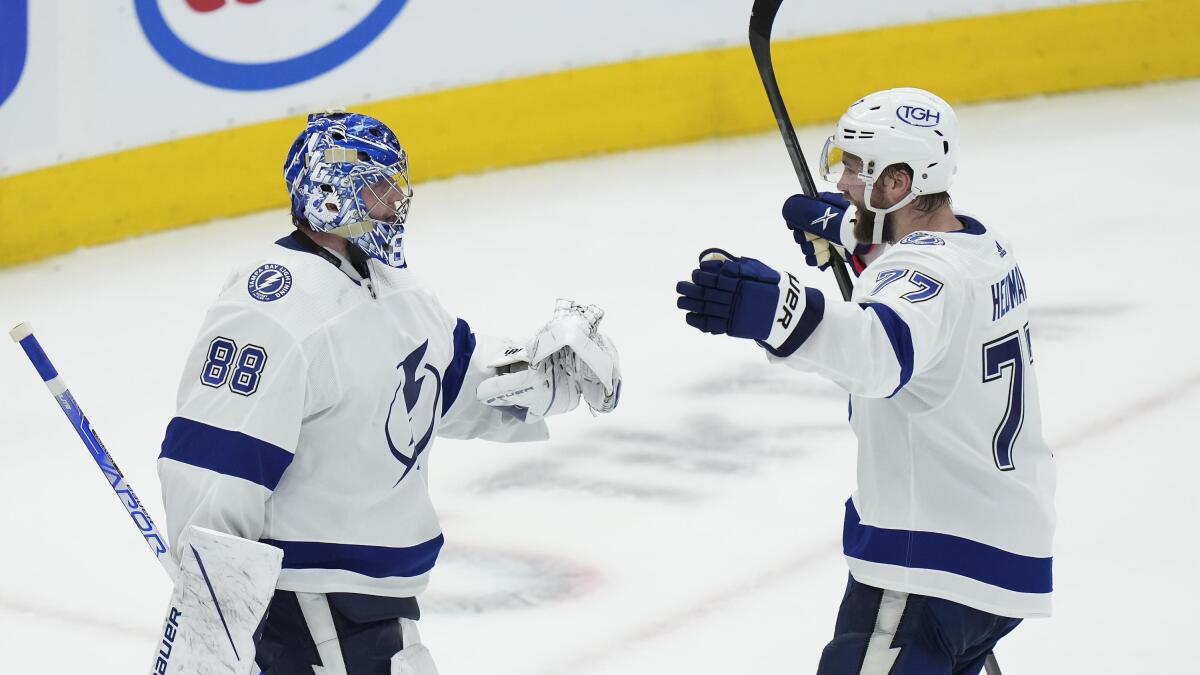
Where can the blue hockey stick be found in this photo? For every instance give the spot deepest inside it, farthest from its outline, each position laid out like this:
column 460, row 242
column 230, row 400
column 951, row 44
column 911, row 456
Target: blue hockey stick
column 23, row 335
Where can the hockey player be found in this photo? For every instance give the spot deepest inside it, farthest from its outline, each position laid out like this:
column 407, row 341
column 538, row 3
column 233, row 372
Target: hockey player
column 306, row 416
column 948, row 536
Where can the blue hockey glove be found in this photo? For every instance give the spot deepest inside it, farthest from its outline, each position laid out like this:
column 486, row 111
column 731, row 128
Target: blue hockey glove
column 745, row 298
column 816, row 222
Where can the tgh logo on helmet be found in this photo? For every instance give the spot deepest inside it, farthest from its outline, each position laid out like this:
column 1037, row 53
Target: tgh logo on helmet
column 918, row 116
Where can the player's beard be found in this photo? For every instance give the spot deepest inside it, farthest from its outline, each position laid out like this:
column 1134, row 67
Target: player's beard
column 864, row 223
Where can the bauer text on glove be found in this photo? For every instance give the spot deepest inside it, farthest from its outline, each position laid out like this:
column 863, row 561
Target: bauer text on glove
column 744, row 297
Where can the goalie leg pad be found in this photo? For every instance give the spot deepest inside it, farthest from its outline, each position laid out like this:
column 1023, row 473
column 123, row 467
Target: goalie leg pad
column 319, row 619
column 221, row 592
column 348, row 648
column 340, row 634
column 414, row 659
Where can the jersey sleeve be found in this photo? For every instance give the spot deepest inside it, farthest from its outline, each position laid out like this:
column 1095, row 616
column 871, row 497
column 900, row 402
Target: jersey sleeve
column 241, row 399
column 893, row 331
column 463, row 415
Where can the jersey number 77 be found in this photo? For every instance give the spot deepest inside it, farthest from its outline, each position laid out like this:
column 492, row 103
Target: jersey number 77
column 1000, row 355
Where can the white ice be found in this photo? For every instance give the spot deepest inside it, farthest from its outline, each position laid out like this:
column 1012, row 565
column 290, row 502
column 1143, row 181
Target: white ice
column 695, row 530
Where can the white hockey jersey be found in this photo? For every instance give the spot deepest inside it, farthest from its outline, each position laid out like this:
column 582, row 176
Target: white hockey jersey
column 306, row 415
column 955, row 483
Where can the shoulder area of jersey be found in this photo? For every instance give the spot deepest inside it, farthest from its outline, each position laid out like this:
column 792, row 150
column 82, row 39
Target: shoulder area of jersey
column 970, row 228
column 274, row 275
column 973, row 241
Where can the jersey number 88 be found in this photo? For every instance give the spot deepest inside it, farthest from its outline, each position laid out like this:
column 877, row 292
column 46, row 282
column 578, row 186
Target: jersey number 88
column 225, row 359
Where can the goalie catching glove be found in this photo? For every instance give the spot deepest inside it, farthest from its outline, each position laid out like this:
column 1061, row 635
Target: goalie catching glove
column 567, row 360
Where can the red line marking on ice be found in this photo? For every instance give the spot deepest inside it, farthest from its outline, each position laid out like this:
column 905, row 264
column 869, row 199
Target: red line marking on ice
column 706, row 606
column 89, row 621
column 1137, row 409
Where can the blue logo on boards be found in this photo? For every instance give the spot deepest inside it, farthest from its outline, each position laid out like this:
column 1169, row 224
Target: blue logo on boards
column 258, row 76
column 923, row 239
column 918, row 116
column 14, row 41
column 269, row 282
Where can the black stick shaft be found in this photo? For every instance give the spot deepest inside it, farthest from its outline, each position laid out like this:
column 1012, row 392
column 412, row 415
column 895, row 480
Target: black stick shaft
column 761, row 21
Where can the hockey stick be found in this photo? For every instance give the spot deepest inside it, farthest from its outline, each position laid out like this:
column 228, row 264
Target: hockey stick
column 23, row 335
column 990, row 666
column 762, row 19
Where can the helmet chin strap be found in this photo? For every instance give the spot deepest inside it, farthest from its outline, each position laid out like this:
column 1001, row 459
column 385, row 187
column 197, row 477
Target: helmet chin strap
column 881, row 214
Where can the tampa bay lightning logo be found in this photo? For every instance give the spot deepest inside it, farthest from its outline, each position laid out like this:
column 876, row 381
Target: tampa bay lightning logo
column 923, row 239
column 420, row 391
column 269, row 282
column 243, row 76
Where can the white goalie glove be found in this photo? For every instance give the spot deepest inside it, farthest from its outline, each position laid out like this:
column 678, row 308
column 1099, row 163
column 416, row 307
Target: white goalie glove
column 567, row 360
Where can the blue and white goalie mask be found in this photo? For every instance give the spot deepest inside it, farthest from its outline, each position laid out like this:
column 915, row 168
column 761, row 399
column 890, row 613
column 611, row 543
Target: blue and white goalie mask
column 347, row 175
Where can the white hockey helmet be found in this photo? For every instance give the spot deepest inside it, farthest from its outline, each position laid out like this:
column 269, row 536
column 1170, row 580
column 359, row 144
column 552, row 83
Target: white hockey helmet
column 896, row 126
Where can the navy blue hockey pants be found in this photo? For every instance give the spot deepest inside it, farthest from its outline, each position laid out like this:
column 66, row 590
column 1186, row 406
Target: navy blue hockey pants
column 366, row 628
column 881, row 632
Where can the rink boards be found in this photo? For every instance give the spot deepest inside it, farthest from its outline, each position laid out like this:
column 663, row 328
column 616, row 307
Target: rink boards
column 168, row 178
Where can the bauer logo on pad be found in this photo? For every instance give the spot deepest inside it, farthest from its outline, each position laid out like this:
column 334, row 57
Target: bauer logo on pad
column 269, row 282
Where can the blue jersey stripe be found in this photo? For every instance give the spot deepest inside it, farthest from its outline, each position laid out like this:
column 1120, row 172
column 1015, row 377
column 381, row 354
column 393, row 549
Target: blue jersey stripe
column 456, row 372
column 379, row 562
column 899, row 335
column 231, row 453
column 946, row 553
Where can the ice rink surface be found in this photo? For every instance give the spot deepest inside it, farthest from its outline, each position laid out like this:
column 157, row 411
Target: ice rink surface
column 696, row 530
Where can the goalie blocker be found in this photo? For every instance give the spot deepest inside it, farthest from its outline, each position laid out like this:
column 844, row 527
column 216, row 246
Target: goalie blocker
column 218, row 609
column 221, row 592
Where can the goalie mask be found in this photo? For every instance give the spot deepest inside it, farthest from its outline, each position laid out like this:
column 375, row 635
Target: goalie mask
column 347, row 175
column 897, row 126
